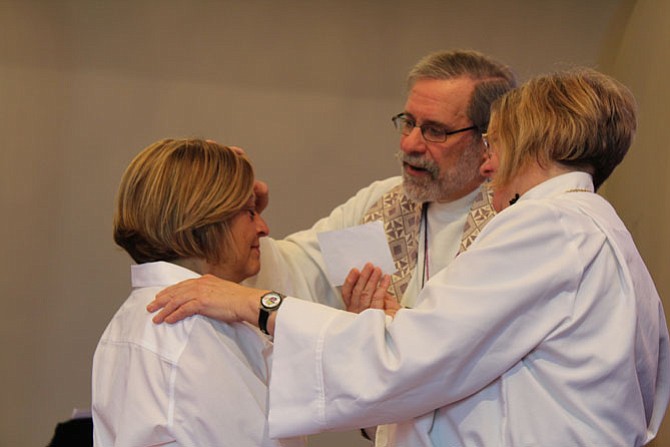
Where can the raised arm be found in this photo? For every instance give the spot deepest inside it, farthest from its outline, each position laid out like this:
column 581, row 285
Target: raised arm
column 295, row 264
column 230, row 302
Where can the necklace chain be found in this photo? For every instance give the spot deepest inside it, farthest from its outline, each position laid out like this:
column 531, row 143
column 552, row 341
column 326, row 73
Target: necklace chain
column 425, row 274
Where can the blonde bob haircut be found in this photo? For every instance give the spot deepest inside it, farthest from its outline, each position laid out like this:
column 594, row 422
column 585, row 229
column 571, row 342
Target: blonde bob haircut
column 177, row 198
column 581, row 119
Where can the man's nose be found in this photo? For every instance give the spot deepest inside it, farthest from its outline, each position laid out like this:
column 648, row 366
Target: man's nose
column 413, row 143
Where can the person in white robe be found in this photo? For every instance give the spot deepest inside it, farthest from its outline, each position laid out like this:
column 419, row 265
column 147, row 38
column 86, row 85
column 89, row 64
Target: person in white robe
column 184, row 208
column 547, row 331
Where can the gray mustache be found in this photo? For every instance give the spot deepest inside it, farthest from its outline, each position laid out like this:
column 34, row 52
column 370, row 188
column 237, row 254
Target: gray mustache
column 420, row 162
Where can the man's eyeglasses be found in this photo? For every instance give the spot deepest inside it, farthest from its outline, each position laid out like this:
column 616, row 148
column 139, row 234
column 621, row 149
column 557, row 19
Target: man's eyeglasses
column 430, row 132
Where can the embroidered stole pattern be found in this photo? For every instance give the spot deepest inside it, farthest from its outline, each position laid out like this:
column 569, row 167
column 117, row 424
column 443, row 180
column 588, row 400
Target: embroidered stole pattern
column 480, row 213
column 402, row 220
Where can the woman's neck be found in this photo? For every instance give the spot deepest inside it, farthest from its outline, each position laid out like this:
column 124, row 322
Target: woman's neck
column 194, row 264
column 204, row 268
column 533, row 175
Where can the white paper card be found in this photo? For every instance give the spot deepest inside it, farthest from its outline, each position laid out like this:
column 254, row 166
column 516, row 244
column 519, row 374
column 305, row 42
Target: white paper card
column 353, row 247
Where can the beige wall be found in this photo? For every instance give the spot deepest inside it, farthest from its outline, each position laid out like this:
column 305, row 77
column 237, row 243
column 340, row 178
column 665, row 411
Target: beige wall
column 308, row 88
column 638, row 189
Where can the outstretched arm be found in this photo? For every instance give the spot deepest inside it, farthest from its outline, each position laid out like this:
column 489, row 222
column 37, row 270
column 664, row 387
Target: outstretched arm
column 210, row 296
column 230, row 302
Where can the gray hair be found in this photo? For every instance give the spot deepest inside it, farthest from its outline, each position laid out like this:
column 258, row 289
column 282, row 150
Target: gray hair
column 493, row 78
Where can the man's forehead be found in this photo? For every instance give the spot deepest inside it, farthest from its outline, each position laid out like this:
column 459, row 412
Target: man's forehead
column 439, row 99
column 455, row 87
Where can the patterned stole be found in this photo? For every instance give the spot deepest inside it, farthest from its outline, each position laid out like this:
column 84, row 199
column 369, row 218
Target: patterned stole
column 402, row 221
column 480, row 213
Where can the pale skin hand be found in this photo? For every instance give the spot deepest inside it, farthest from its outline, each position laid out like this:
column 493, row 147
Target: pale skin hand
column 262, row 193
column 230, row 302
column 261, row 190
column 367, row 289
column 212, row 297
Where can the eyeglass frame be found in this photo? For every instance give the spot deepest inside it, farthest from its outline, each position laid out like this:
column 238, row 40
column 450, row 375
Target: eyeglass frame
column 403, row 117
column 485, row 140
column 487, row 143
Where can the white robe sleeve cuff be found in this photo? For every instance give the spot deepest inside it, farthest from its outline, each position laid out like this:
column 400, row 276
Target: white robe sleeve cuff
column 297, row 343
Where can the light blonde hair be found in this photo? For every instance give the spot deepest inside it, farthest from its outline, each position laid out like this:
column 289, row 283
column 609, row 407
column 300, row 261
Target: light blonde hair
column 176, row 200
column 582, row 119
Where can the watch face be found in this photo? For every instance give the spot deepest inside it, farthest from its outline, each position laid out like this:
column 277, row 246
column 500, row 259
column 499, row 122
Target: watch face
column 271, row 300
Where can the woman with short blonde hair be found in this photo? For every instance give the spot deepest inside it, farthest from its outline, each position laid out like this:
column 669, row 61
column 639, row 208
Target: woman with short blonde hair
column 185, row 208
column 176, row 199
column 581, row 119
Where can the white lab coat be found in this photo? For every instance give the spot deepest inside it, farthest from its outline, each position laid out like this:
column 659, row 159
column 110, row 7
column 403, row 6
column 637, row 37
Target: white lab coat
column 547, row 331
column 195, row 383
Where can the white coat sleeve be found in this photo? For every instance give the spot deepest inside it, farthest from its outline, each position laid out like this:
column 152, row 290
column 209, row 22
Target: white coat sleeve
column 333, row 370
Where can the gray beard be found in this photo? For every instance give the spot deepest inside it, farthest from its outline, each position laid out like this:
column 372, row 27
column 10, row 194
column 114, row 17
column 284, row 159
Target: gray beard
column 436, row 187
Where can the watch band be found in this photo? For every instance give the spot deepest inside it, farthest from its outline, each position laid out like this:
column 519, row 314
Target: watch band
column 263, row 320
column 270, row 302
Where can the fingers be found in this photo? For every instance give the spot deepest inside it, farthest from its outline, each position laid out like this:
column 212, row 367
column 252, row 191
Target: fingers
column 368, row 292
column 164, row 312
column 170, row 297
column 173, row 313
column 359, row 288
column 368, row 289
column 262, row 193
column 348, row 286
column 171, row 304
column 379, row 295
column 261, row 189
column 391, row 312
column 391, row 305
column 357, row 300
column 181, row 300
column 184, row 311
